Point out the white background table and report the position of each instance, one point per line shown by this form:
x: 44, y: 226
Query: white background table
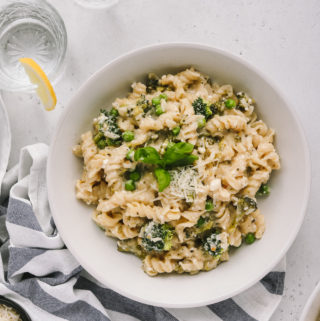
x: 280, y: 37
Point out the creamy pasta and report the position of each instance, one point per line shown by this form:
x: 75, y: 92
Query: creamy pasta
x: 174, y: 169
x: 8, y: 313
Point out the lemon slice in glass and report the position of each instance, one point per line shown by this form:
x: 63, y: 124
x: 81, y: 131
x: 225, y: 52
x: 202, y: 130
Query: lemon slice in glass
x: 38, y: 77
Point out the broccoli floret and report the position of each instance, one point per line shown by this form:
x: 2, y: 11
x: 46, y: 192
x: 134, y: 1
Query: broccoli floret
x: 217, y: 108
x: 246, y: 205
x: 145, y: 104
x: 215, y: 243
x: 108, y: 127
x: 244, y: 101
x: 152, y: 82
x: 201, y: 108
x: 156, y: 237
x: 203, y: 224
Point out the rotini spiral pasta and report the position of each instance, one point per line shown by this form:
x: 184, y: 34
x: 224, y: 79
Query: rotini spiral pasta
x: 174, y: 169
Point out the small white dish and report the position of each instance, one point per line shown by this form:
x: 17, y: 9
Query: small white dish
x: 284, y: 209
x: 311, y: 311
x: 5, y: 140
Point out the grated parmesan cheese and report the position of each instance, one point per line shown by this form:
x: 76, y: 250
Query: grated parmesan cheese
x: 215, y: 184
x: 184, y: 183
x: 8, y: 314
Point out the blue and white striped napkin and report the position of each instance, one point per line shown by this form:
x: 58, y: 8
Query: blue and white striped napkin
x: 39, y: 273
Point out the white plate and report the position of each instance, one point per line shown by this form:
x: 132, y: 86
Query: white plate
x: 312, y: 308
x: 5, y: 140
x: 284, y: 209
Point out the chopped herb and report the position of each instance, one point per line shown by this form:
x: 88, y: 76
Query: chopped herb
x: 148, y: 155
x: 163, y: 178
x: 179, y: 155
x: 176, y: 154
x: 264, y: 190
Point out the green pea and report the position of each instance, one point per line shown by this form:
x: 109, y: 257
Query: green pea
x: 98, y: 137
x: 135, y: 176
x: 130, y: 155
x: 114, y: 112
x: 130, y: 185
x: 250, y: 238
x: 230, y: 103
x: 159, y: 110
x: 209, y: 206
x: 176, y: 131
x: 128, y: 136
x: 163, y: 96
x: 201, y: 122
x: 102, y: 143
x: 156, y: 101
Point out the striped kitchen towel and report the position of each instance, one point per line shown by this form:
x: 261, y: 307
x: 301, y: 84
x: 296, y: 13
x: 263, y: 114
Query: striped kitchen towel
x: 39, y: 273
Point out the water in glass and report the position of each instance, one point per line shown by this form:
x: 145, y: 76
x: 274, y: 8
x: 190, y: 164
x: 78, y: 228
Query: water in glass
x: 34, y: 29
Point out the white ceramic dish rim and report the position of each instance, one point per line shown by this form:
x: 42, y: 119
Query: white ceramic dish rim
x: 305, y: 152
x: 309, y: 305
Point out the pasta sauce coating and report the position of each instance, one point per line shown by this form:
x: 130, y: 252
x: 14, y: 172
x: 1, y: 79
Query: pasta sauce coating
x: 174, y: 170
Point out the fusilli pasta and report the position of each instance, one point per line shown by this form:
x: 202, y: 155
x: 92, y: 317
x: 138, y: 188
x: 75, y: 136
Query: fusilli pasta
x: 174, y: 170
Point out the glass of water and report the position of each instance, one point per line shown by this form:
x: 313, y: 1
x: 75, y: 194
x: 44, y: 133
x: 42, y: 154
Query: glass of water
x: 33, y: 29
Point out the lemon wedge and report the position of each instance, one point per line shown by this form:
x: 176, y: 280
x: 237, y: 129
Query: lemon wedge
x: 38, y: 77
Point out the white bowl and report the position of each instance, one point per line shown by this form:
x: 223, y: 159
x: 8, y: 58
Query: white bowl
x: 5, y: 140
x: 284, y: 209
x: 311, y: 311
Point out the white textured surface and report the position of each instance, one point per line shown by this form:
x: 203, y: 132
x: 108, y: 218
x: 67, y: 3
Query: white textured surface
x: 280, y: 37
